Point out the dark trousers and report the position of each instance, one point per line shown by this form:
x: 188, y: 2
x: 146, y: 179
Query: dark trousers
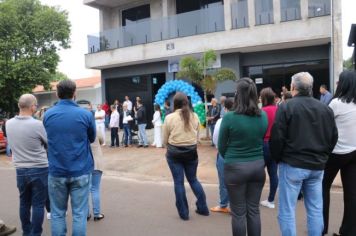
x: 244, y: 182
x: 189, y: 168
x: 115, y: 137
x: 48, y: 204
x: 32, y: 184
x: 272, y: 169
x: 346, y: 163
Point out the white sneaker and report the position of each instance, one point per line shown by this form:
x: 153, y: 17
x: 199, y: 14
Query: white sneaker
x: 48, y: 216
x: 267, y: 204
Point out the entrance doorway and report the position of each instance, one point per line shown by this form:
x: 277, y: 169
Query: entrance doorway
x: 277, y: 76
x: 143, y: 86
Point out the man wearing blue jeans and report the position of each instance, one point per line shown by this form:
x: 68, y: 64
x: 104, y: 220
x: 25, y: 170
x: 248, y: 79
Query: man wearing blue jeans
x: 303, y: 136
x: 28, y: 143
x: 224, y: 197
x: 142, y: 122
x: 70, y: 130
x: 213, y: 116
x: 127, y: 122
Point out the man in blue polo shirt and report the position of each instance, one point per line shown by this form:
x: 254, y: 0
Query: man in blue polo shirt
x: 70, y: 130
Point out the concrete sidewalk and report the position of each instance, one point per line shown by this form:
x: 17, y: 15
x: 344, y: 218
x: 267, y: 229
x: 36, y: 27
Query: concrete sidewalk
x: 150, y: 163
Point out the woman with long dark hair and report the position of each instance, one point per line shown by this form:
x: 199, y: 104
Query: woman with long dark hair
x: 240, y: 143
x: 343, y: 157
x: 180, y: 135
x: 268, y: 105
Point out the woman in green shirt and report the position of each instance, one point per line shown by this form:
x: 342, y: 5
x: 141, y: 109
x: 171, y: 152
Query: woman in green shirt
x: 240, y: 143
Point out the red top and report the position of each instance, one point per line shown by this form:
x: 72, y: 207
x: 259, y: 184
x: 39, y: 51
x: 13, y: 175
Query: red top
x: 106, y: 108
x: 271, y: 114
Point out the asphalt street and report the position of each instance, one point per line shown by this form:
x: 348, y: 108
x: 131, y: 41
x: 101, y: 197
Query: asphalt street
x: 134, y: 207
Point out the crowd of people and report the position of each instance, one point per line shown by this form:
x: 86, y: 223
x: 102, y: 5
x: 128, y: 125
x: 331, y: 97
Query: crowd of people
x: 302, y: 142
x: 129, y: 117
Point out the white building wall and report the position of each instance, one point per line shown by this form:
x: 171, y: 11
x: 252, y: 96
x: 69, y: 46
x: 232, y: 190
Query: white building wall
x: 92, y: 95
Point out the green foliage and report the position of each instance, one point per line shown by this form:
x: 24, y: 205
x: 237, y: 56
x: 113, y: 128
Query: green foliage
x: 31, y: 34
x: 197, y: 70
x: 190, y: 68
x: 348, y: 64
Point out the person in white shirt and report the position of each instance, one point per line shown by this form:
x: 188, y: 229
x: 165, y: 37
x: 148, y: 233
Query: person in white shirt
x: 114, y: 126
x: 157, y: 123
x: 127, y: 119
x: 128, y: 103
x: 100, y: 123
x: 343, y: 157
x: 223, y: 206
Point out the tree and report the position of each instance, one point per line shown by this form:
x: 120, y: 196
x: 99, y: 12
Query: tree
x: 58, y: 76
x: 31, y: 34
x: 200, y: 72
x: 348, y: 64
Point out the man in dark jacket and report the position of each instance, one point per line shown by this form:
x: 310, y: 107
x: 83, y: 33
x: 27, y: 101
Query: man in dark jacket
x: 141, y: 118
x: 303, y: 136
x: 213, y: 117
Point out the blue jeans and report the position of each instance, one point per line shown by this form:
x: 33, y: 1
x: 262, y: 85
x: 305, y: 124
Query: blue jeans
x: 60, y: 188
x: 142, y: 134
x: 224, y: 196
x: 212, y: 128
x: 8, y: 150
x: 291, y: 181
x: 95, y: 192
x: 32, y: 184
x: 127, y: 134
x: 272, y: 169
x: 189, y: 168
x: 107, y: 121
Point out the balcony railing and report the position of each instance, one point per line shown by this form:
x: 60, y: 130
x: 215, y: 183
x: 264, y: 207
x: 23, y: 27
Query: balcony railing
x: 264, y: 12
x: 239, y: 12
x: 289, y: 14
x: 181, y: 25
x: 319, y: 8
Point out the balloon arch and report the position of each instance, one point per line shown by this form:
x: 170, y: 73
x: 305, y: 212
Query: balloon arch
x: 186, y: 88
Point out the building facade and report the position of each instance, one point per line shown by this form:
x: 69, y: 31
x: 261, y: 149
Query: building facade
x: 141, y: 42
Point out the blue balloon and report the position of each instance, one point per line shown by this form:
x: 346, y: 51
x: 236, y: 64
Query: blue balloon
x: 176, y: 86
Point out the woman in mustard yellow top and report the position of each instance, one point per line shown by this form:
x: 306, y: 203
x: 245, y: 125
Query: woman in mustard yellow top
x: 180, y: 135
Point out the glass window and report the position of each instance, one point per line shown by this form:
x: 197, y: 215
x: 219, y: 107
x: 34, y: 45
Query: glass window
x: 239, y: 13
x: 290, y: 10
x: 194, y: 5
x: 135, y: 14
x: 264, y: 12
x: 319, y: 8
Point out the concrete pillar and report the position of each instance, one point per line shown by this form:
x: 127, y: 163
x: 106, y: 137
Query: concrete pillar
x: 109, y: 18
x: 251, y: 13
x: 277, y: 11
x: 156, y: 9
x: 164, y: 8
x: 227, y: 14
x: 168, y: 7
x: 103, y: 87
x: 336, y: 43
x: 304, y: 9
